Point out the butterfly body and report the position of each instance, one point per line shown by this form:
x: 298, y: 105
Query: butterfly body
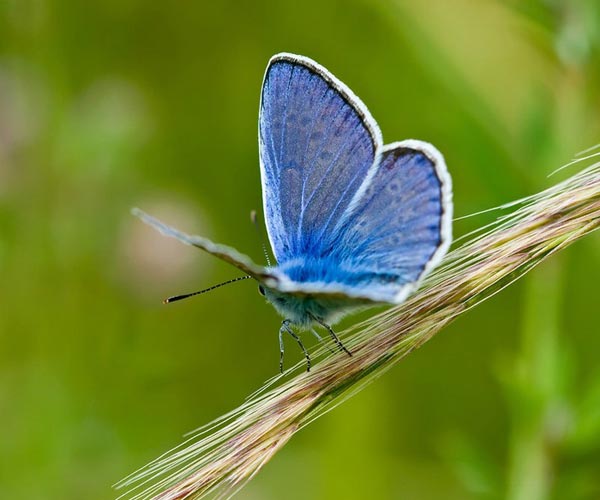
x: 302, y: 310
x: 352, y: 222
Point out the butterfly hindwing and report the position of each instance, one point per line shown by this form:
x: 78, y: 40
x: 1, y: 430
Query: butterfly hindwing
x: 401, y: 225
x: 317, y: 142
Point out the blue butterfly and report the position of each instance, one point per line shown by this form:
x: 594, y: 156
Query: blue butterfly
x: 352, y: 222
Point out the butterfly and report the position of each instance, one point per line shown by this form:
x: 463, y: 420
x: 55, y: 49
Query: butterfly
x: 352, y: 222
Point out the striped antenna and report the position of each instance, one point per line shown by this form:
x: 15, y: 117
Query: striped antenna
x: 186, y: 295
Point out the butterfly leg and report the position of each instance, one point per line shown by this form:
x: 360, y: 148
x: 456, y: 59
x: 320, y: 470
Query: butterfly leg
x: 335, y: 338
x: 320, y: 339
x: 285, y: 327
x: 281, y: 348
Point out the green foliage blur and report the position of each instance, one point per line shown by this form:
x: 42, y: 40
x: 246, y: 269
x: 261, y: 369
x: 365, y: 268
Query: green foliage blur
x: 106, y: 105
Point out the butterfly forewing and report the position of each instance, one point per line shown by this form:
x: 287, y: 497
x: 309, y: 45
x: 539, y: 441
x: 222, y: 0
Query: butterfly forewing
x: 317, y: 143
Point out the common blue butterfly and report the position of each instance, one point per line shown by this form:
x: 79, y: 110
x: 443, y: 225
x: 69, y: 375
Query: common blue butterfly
x: 352, y: 222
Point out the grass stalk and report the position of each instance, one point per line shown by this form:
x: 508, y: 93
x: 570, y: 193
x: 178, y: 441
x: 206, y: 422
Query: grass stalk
x: 219, y: 458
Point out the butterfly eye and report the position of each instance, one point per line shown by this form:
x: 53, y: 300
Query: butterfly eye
x: 261, y: 290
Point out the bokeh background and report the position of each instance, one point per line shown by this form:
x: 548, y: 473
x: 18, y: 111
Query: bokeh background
x: 105, y: 105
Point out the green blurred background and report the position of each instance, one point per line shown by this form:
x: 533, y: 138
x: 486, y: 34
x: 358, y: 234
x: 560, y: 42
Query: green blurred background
x: 105, y: 105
